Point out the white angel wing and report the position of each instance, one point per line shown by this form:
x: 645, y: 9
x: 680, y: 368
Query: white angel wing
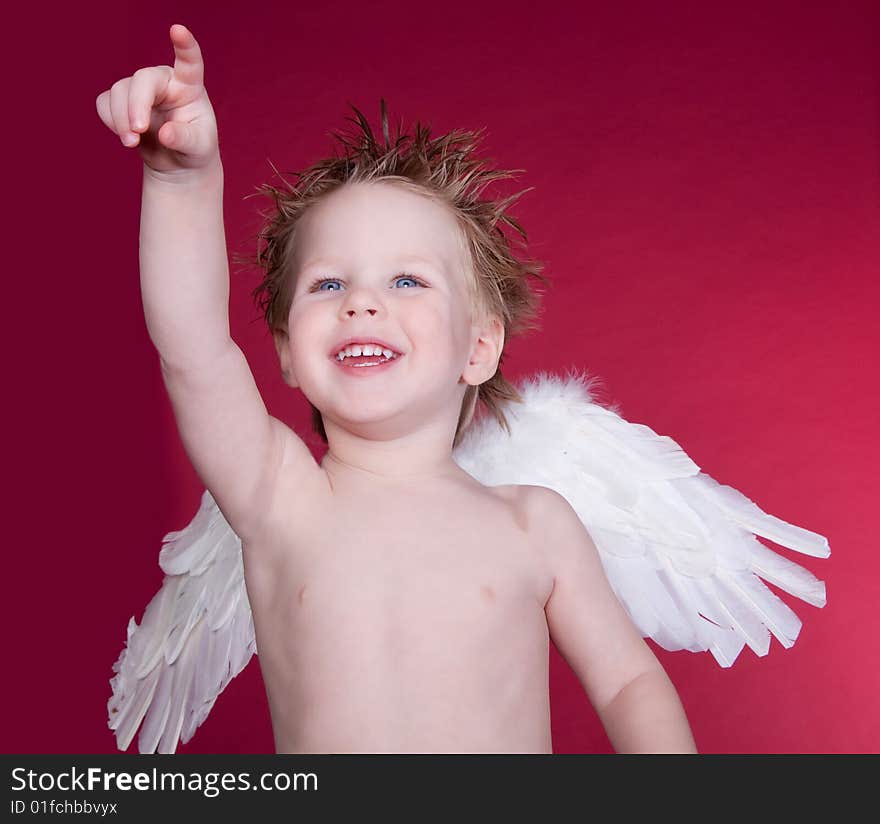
x: 678, y: 548
x: 196, y: 635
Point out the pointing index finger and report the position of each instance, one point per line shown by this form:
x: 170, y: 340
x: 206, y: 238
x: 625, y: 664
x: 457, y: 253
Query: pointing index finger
x: 188, y: 65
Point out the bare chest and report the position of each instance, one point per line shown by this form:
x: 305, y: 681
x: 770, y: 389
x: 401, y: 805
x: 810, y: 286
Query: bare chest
x: 376, y: 556
x: 375, y: 607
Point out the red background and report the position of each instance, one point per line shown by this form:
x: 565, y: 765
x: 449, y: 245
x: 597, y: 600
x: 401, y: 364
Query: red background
x: 706, y: 184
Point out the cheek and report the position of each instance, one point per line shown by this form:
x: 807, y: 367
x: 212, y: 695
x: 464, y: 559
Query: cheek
x: 445, y: 333
x: 436, y: 324
x: 304, y: 327
x: 460, y: 330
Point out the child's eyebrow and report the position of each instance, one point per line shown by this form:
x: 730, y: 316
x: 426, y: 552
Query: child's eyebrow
x: 398, y: 261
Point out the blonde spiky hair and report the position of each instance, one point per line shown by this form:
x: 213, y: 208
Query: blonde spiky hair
x: 444, y: 169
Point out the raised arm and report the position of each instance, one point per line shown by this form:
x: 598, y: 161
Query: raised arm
x: 235, y: 446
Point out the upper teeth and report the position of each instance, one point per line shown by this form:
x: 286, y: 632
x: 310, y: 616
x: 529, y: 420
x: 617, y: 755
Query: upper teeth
x: 367, y: 349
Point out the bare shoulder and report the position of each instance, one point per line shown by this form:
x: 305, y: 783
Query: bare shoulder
x: 532, y: 499
x: 519, y: 497
x: 543, y: 496
x: 541, y: 502
x: 557, y: 523
x: 530, y: 507
x: 520, y: 492
x: 549, y: 517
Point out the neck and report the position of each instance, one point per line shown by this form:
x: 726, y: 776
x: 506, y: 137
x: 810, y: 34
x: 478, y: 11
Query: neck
x: 423, y: 455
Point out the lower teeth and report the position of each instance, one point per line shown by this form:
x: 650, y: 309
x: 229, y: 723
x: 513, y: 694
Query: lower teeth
x: 365, y: 360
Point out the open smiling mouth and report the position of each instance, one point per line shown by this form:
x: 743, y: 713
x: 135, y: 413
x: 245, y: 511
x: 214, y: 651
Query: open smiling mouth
x: 366, y: 364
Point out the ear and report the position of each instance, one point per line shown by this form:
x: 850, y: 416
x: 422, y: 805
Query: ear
x: 487, y: 344
x: 282, y: 347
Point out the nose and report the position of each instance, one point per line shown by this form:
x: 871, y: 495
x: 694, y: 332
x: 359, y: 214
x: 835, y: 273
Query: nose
x: 360, y: 302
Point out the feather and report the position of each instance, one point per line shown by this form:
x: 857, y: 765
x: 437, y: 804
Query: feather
x: 196, y: 634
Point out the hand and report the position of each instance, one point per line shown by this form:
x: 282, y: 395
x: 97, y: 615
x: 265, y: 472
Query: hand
x: 165, y: 111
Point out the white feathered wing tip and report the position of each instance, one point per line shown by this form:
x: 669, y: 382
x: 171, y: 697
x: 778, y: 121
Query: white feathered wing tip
x: 197, y: 634
x: 679, y: 550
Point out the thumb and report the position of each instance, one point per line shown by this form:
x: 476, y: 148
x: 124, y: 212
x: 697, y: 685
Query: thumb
x: 180, y: 137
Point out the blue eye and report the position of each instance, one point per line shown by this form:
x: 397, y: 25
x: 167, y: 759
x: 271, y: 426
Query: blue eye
x: 318, y: 284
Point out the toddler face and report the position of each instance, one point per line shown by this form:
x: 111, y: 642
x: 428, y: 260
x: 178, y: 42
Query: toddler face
x: 375, y: 261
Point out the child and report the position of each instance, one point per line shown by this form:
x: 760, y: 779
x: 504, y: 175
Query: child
x: 399, y: 605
